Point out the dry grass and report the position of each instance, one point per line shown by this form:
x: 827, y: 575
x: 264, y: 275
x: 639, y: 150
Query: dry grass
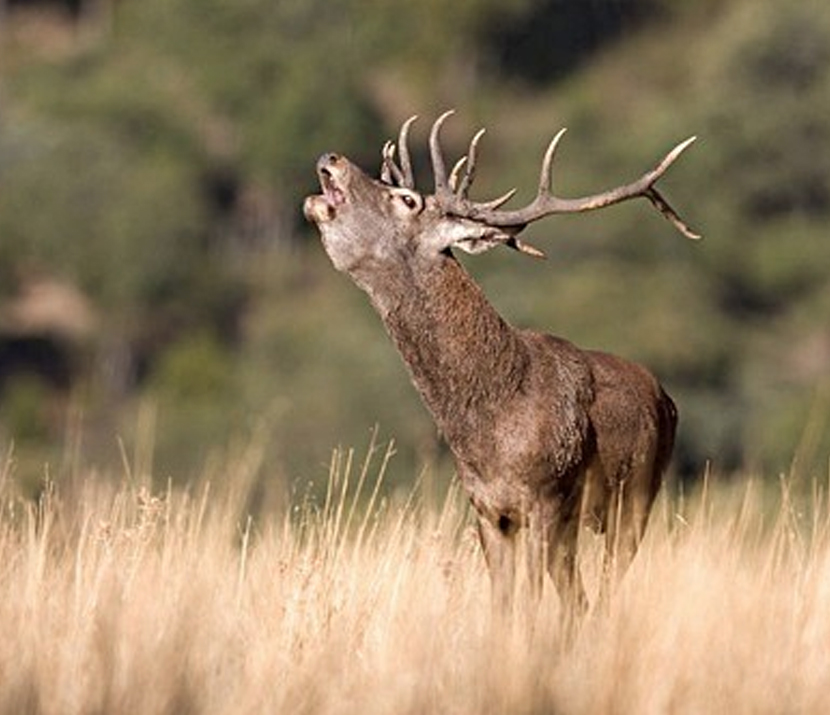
x: 114, y: 600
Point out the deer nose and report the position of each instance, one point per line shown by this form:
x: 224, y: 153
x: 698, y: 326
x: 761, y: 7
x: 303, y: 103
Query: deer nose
x: 327, y: 159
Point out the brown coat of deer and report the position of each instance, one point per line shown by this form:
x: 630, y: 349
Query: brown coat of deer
x: 545, y: 436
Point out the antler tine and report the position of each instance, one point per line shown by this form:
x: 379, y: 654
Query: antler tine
x: 385, y: 173
x: 403, y: 153
x: 439, y: 169
x: 671, y: 157
x: 389, y: 171
x: 523, y: 247
x: 472, y: 156
x: 453, y: 181
x: 671, y: 215
x: 546, y: 175
x: 494, y: 203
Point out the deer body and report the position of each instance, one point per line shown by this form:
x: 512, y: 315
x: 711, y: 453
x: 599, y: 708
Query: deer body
x: 545, y: 436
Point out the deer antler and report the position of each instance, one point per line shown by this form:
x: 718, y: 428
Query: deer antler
x: 452, y: 191
x: 390, y: 172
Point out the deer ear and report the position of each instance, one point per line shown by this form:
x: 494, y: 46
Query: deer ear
x: 470, y: 236
x: 474, y: 237
x: 480, y: 244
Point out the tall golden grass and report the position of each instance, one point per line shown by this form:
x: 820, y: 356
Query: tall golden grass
x: 116, y: 599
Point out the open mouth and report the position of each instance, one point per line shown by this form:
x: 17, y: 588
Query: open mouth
x: 334, y: 195
x: 332, y: 174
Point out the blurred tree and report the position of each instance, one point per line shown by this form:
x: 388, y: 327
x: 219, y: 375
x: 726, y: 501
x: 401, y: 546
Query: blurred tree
x: 548, y: 40
x: 161, y: 166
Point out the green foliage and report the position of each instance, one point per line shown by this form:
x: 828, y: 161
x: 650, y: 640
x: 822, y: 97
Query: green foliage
x: 104, y: 196
x: 197, y: 370
x: 23, y: 411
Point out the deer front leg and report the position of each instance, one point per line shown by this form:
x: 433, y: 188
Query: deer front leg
x: 537, y: 543
x: 562, y: 533
x: 499, y: 545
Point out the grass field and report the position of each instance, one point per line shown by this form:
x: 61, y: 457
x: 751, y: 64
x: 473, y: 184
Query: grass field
x: 115, y: 599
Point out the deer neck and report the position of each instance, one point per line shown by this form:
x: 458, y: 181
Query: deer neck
x: 463, y: 357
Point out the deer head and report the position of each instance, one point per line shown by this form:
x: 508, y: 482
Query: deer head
x: 366, y: 223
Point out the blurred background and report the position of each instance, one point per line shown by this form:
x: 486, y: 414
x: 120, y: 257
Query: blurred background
x: 160, y: 294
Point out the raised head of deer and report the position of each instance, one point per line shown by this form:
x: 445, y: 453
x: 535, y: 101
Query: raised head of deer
x: 545, y: 436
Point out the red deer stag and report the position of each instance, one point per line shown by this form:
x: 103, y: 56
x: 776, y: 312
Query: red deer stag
x: 544, y: 435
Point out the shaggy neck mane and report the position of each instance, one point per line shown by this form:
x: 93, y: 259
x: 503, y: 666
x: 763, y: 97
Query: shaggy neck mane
x: 464, y: 359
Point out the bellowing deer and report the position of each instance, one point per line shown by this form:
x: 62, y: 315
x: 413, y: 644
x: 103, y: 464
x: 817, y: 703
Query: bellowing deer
x: 544, y: 435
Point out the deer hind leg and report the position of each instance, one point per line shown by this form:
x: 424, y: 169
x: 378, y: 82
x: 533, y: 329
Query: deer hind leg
x: 628, y: 511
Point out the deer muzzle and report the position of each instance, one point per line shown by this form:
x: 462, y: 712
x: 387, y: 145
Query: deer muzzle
x: 332, y: 171
x: 317, y: 209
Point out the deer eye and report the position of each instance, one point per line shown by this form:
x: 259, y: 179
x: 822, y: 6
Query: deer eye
x: 411, y: 200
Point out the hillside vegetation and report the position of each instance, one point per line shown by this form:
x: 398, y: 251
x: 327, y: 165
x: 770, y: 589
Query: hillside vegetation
x: 157, y: 158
